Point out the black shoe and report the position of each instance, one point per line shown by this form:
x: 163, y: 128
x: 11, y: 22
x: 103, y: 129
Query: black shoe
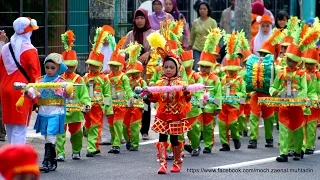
x: 111, y: 150
x: 241, y: 133
x: 282, y: 158
x: 128, y: 145
x: 2, y: 139
x: 309, y: 151
x: 296, y: 157
x: 225, y: 147
x: 97, y: 152
x: 116, y: 150
x: 237, y: 143
x: 90, y: 154
x: 196, y: 151
x: 302, y: 154
x: 318, y: 137
x: 46, y: 158
x: 269, y: 143
x: 252, y: 144
x: 133, y: 149
x: 290, y: 153
x: 53, y: 161
x: 188, y: 148
x: 207, y: 150
x: 245, y: 133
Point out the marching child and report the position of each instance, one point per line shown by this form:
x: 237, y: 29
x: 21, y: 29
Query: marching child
x: 99, y: 89
x: 195, y: 113
x: 171, y: 113
x: 121, y: 93
x: 133, y: 116
x: 210, y: 110
x: 234, y: 87
x: 51, y: 115
x: 80, y: 98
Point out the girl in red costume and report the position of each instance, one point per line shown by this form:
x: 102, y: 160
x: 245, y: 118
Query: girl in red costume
x: 171, y: 113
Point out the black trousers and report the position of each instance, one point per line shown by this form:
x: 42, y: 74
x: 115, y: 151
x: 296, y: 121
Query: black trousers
x: 146, y: 118
x: 173, y: 139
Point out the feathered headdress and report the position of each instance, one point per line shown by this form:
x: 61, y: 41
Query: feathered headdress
x: 116, y: 58
x: 308, y: 43
x: 110, y: 36
x: 268, y: 46
x: 95, y: 57
x: 209, y: 53
x: 292, y: 26
x: 171, y: 32
x: 134, y: 50
x: 156, y: 40
x: 244, y: 46
x: 69, y: 55
x: 232, y: 42
x: 293, y: 51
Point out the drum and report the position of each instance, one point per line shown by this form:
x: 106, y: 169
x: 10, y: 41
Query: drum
x: 282, y: 102
x: 259, y: 73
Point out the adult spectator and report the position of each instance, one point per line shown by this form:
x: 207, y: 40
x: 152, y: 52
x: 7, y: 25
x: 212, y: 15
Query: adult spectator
x: 172, y: 8
x: 227, y: 19
x: 3, y: 41
x: 199, y: 30
x: 19, y: 62
x: 266, y: 11
x: 141, y: 29
x: 159, y: 15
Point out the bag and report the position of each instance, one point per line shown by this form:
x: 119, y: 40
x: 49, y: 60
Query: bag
x: 24, y: 73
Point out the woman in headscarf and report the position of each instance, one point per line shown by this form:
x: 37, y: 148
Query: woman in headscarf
x: 141, y: 29
x: 172, y: 8
x: 265, y: 31
x: 159, y: 15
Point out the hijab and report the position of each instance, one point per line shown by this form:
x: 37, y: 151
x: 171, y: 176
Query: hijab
x: 138, y: 32
x: 175, y: 11
x: 57, y: 60
x: 260, y: 38
x: 156, y: 17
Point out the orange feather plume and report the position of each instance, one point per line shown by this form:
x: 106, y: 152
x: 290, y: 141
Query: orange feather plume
x: 120, y: 44
x: 71, y: 38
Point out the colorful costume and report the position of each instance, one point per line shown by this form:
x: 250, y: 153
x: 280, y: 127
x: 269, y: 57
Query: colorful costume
x: 121, y: 93
x: 99, y: 89
x: 51, y: 115
x: 133, y: 116
x: 17, y: 120
x: 208, y: 59
x: 171, y: 115
x: 195, y: 113
x: 234, y: 88
x: 74, y: 115
x: 292, y: 83
x: 16, y: 161
x: 259, y: 76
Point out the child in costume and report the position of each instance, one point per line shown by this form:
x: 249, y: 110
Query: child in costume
x: 121, y: 93
x: 292, y: 84
x: 171, y: 113
x: 51, y: 115
x: 260, y: 87
x: 74, y: 115
x: 195, y: 113
x: 210, y: 110
x: 234, y: 88
x: 265, y: 31
x: 132, y: 118
x: 244, y: 53
x: 19, y: 162
x: 99, y: 89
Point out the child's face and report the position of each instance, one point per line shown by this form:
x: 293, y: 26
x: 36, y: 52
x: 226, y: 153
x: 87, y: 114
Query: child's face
x: 93, y: 68
x: 51, y: 68
x: 106, y: 42
x: 205, y: 69
x: 262, y: 54
x: 169, y: 68
x: 232, y: 72
x: 265, y: 27
x: 283, y: 49
x: 291, y: 63
x: 114, y: 68
x: 71, y: 69
x: 136, y: 75
x: 188, y: 68
x: 282, y: 23
x: 310, y: 65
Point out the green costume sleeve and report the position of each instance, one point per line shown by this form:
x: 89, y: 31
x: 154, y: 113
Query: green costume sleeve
x: 214, y: 92
x: 303, y: 92
x: 82, y: 94
x: 106, y: 90
x: 275, y: 86
x: 196, y: 96
x: 126, y: 87
x: 312, y: 93
x: 184, y: 75
x: 241, y: 89
x: 155, y: 77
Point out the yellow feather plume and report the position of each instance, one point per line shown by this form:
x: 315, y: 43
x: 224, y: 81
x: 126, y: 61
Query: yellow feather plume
x: 156, y: 40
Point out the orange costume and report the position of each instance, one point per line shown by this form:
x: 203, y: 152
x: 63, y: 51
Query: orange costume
x: 26, y: 55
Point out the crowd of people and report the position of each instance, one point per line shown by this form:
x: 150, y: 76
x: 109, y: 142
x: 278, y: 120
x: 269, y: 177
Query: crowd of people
x: 185, y: 72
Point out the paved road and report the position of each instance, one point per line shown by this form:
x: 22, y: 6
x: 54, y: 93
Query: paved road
x: 243, y: 163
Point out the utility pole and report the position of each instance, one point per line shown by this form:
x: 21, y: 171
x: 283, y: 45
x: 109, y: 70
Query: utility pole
x: 243, y: 16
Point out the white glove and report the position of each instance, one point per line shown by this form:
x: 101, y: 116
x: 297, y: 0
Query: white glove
x: 31, y: 93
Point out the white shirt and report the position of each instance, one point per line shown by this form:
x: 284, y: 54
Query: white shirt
x: 107, y: 52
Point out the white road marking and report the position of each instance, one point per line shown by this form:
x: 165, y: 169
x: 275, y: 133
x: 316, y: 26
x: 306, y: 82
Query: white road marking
x: 252, y: 163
